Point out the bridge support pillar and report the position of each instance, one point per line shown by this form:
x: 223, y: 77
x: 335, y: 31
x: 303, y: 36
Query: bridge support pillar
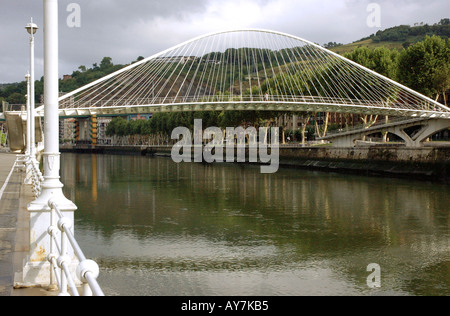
x: 94, y: 134
x: 409, y: 142
x: 84, y: 129
x: 344, y: 142
x: 77, y: 130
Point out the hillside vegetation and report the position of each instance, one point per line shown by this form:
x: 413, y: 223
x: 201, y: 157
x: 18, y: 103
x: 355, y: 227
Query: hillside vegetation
x: 399, y: 37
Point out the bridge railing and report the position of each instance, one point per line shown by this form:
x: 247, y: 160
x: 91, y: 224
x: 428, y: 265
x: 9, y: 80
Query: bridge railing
x: 36, y: 177
x: 61, y: 234
x: 99, y: 103
x: 87, y: 270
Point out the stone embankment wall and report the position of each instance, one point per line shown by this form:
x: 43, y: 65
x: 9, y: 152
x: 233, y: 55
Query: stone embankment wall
x: 420, y: 163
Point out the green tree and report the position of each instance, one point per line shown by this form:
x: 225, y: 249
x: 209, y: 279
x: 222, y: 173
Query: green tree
x: 441, y: 81
x: 381, y: 60
x: 16, y: 98
x: 106, y: 63
x: 117, y: 126
x: 420, y: 65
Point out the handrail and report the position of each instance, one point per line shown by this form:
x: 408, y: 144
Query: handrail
x: 71, y: 104
x: 87, y: 270
x: 36, y: 177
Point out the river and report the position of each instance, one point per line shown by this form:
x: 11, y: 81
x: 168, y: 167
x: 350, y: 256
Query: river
x: 157, y: 228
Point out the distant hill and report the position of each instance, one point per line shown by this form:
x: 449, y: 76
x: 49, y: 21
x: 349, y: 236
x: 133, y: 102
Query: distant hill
x: 398, y: 37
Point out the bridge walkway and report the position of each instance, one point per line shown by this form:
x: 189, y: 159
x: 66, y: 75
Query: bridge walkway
x: 14, y: 227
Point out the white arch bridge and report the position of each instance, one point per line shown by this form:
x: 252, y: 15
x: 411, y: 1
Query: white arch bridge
x: 248, y: 70
x: 257, y: 70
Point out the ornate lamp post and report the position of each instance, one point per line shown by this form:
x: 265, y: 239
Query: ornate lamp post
x: 32, y: 29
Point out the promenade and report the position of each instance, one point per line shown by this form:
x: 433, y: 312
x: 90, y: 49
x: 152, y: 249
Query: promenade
x: 14, y: 227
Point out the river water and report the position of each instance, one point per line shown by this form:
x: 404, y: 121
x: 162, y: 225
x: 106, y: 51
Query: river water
x: 157, y: 228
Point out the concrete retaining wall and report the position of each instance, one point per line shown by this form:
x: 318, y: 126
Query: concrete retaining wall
x: 421, y: 163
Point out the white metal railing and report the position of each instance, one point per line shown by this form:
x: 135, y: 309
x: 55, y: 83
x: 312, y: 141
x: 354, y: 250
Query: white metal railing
x: 21, y: 160
x: 36, y: 177
x: 96, y: 103
x: 61, y: 236
x: 87, y: 270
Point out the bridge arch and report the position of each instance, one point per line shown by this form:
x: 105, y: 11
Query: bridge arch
x: 248, y: 69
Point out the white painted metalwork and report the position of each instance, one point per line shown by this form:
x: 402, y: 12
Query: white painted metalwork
x: 51, y: 250
x: 52, y: 186
x: 59, y: 229
x: 87, y: 270
x: 36, y: 178
x: 248, y: 70
x: 28, y: 107
x: 32, y: 29
x: 35, y: 271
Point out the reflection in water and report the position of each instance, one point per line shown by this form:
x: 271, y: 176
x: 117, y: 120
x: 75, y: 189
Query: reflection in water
x: 160, y: 228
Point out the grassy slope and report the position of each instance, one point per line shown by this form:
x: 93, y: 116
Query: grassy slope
x: 366, y: 43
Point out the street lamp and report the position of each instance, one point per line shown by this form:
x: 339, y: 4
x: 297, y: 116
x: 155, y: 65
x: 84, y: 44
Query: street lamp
x: 32, y: 29
x: 28, y: 140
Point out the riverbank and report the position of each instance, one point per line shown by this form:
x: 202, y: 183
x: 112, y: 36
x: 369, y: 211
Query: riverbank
x: 427, y: 163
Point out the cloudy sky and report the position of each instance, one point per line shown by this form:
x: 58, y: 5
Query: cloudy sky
x: 126, y: 29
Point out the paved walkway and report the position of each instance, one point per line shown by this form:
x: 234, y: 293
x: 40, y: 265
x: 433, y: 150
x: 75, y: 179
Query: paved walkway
x: 14, y: 227
x: 9, y: 206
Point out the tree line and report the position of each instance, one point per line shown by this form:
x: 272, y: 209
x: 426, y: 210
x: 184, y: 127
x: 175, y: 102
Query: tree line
x: 15, y: 93
x: 407, y: 33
